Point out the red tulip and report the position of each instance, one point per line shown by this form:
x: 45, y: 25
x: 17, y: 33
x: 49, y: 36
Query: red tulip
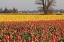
x: 53, y: 40
x: 54, y: 36
x: 6, y: 37
x: 41, y: 38
x: 31, y: 34
x: 61, y: 41
x: 47, y: 31
x: 10, y: 23
x: 24, y: 40
x: 13, y: 40
x: 44, y: 37
x: 56, y: 32
x: 10, y: 37
x: 25, y: 30
x: 4, y: 28
x: 18, y: 37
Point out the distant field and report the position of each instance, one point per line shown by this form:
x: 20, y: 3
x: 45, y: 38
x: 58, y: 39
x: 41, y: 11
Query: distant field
x: 18, y: 17
x: 31, y: 13
x: 22, y: 13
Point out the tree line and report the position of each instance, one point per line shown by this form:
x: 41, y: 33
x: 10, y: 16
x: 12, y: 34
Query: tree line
x: 6, y: 10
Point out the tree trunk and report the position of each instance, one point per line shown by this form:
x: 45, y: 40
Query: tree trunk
x: 45, y: 11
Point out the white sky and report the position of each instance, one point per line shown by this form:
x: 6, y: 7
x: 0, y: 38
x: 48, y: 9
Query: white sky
x: 26, y: 4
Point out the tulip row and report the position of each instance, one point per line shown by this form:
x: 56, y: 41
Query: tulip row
x: 32, y: 31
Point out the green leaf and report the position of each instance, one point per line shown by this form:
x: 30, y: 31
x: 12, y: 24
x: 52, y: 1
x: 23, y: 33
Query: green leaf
x: 46, y: 41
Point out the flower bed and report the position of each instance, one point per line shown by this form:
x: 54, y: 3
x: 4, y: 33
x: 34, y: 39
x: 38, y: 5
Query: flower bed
x: 32, y: 31
x: 26, y: 17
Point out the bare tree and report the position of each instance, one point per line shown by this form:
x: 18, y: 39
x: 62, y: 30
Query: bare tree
x: 46, y: 4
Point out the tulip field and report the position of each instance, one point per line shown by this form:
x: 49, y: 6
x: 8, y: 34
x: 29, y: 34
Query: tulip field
x: 31, y: 28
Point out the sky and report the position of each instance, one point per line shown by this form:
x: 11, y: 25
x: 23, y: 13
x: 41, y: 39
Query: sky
x: 26, y: 4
